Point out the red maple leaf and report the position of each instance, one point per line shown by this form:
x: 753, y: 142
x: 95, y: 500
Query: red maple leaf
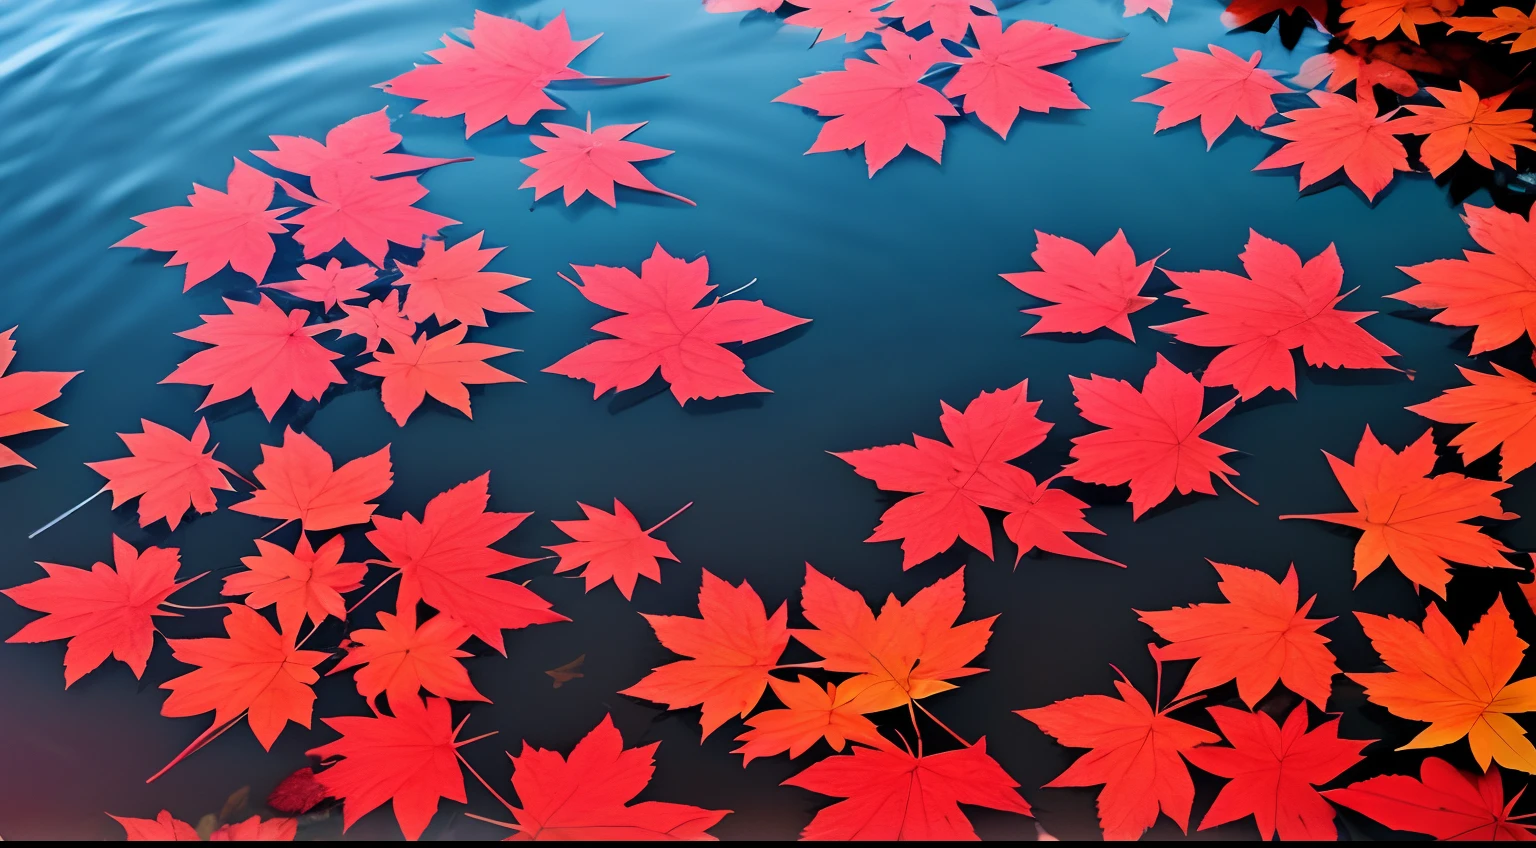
x: 302, y: 582
x: 366, y: 213
x: 297, y: 793
x: 882, y: 104
x: 1241, y: 13
x: 162, y: 828
x: 374, y: 321
x: 811, y: 712
x: 1341, y: 133
x: 947, y: 18
x: 103, y: 612
x: 586, y: 796
x: 1088, y: 291
x: 580, y: 161
x: 261, y: 349
x: 400, y: 659
x: 1282, y: 305
x: 1005, y: 73
x: 299, y: 482
x: 216, y: 228
x: 443, y: 366
x: 167, y: 828
x: 1153, y: 437
x: 330, y: 284
x: 1493, y: 291
x: 953, y: 482
x: 1272, y: 772
x: 445, y: 559
x: 851, y: 19
x: 612, y: 547
x: 1218, y: 87
x: 361, y: 144
x: 21, y: 393
x: 451, y: 284
x: 256, y: 829
x: 665, y: 329
x: 1442, y: 802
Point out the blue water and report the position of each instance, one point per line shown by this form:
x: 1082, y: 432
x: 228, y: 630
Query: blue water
x: 114, y: 107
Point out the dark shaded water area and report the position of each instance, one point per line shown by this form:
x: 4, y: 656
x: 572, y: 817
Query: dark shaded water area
x: 114, y: 107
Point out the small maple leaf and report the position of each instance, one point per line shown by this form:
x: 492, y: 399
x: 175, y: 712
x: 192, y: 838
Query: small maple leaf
x: 443, y: 366
x: 1461, y: 688
x: 1272, y: 771
x: 1241, y: 13
x: 663, y: 328
x: 299, y: 482
x: 1136, y: 757
x: 451, y: 284
x: 851, y: 19
x: 1417, y: 519
x: 1163, y: 8
x: 162, y: 828
x: 21, y: 393
x: 216, y: 228
x: 566, y: 673
x: 261, y: 349
x: 366, y: 213
x: 731, y: 647
x: 329, y: 285
x: 581, y: 161
x: 1380, y: 18
x: 1218, y: 87
x: 1088, y: 291
x: 1500, y: 411
x: 947, y: 18
x: 1282, y: 305
x: 1340, y: 133
x: 892, y: 795
x: 1005, y: 73
x: 811, y: 712
x: 167, y: 828
x: 374, y: 321
x: 909, y: 652
x: 1494, y: 291
x: 400, y: 659
x: 302, y: 582
x: 1468, y: 124
x: 1153, y: 437
x: 1353, y: 63
x: 105, y: 611
x: 257, y: 829
x: 612, y: 547
x: 1506, y: 21
x: 362, y: 144
x: 1443, y: 802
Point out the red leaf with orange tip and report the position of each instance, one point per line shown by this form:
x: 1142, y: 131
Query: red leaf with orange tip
x: 443, y: 366
x: 364, y: 212
x: 1136, y: 757
x: 892, y: 795
x: 1499, y: 409
x: 1340, y: 133
x: 1442, y: 802
x: 162, y: 828
x: 1353, y: 64
x: 1260, y: 637
x: 217, y: 228
x: 580, y: 161
x: 1005, y: 72
x: 1241, y: 13
x: 297, y: 793
x: 811, y: 712
x: 1088, y: 291
x: 445, y: 559
x: 451, y: 284
x: 301, y: 583
x: 851, y: 19
x: 21, y: 393
x: 1281, y: 306
x: 362, y: 144
x: 410, y: 759
x: 400, y: 658
x: 612, y: 547
x: 1272, y: 771
x: 731, y: 646
x: 947, y: 18
x: 329, y: 285
x: 1466, y: 124
x: 586, y: 796
x: 254, y: 670
x: 1417, y: 519
x: 1217, y: 87
x: 255, y: 829
x: 1153, y: 437
x: 375, y: 321
x: 299, y: 482
x: 952, y: 482
x: 104, y: 612
x: 663, y: 328
x: 261, y: 349
x: 1493, y: 291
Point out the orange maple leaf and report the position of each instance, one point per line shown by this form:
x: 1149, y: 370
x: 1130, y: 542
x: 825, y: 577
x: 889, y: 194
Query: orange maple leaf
x: 443, y: 366
x: 301, y: 483
x: 1466, y: 123
x: 302, y: 582
x: 1500, y: 411
x: 810, y: 712
x: 400, y: 659
x: 1506, y: 21
x: 21, y: 394
x: 1241, y: 13
x: 1494, y: 291
x: 1380, y: 18
x: 169, y: 473
x: 1416, y: 519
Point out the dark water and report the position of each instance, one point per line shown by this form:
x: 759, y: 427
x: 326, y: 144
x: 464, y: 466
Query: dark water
x: 113, y: 107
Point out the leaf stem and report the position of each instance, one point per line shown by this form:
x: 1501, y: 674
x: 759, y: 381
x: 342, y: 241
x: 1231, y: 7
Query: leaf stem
x: 382, y: 584
x: 68, y: 512
x: 497, y: 795
x: 207, y: 736
x: 958, y: 737
x: 680, y: 511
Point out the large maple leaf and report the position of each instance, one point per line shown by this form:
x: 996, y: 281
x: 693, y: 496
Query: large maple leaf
x: 731, y: 646
x: 1462, y: 688
x: 166, y: 471
x: 1260, y: 637
x: 612, y: 546
x: 21, y: 393
x: 1506, y: 21
x: 882, y: 104
x: 1417, y: 519
x: 329, y: 285
x: 261, y: 349
x: 301, y: 583
x: 445, y: 559
x: 451, y: 284
x: 299, y: 482
x: 399, y: 659
x: 1218, y: 87
x: 410, y: 759
x: 216, y: 228
x: 1088, y: 291
x: 1380, y: 18
x: 1241, y: 13
x: 1443, y: 802
x: 1500, y: 411
x: 366, y: 213
x: 362, y: 144
x: 910, y: 651
x: 1153, y: 437
x: 1467, y: 124
x: 663, y: 328
x: 1340, y: 133
x: 253, y: 670
x: 851, y: 19
x: 443, y: 366
x: 1282, y: 305
x: 892, y: 795
x: 580, y: 161
x: 952, y: 482
x: 1005, y: 73
x: 947, y: 19
x: 1494, y: 291
x: 375, y: 321
x: 1272, y: 771
x: 811, y: 712
x: 105, y: 611
x: 586, y: 796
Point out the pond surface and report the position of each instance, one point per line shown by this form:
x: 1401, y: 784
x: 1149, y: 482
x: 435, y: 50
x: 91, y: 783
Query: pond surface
x: 114, y: 107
